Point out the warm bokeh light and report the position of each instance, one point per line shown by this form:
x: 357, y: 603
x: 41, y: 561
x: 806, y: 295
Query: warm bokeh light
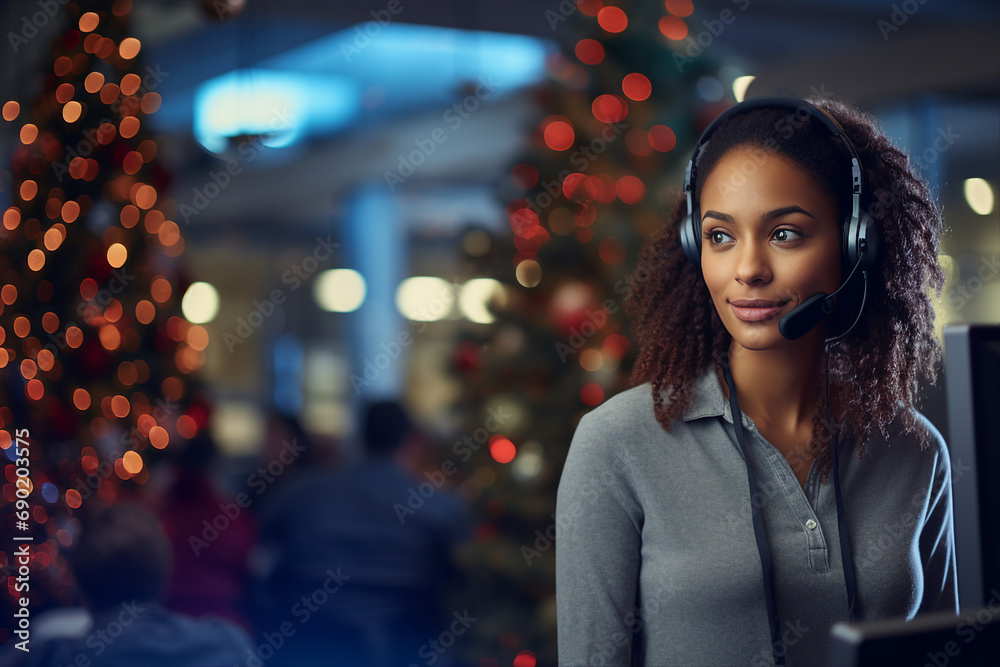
x: 528, y: 273
x: 591, y: 359
x: 636, y: 86
x: 120, y: 406
x: 8, y: 294
x: 70, y: 211
x: 197, y: 338
x: 502, y: 449
x: 612, y: 19
x: 592, y: 394
x: 609, y: 109
x: 36, y: 259
x: 109, y: 92
x: 28, y: 190
x: 340, y: 290
x: 158, y: 437
x: 673, y: 28
x: 71, y: 111
x: 117, y: 254
x: 145, y: 311
x: 151, y: 103
x: 73, y: 499
x: 476, y: 297
x: 81, y: 399
x: 12, y: 218
x: 129, y: 48
x: 161, y: 290
x: 740, y: 85
x: 979, y: 195
x: 630, y: 189
x: 94, y: 82
x: 128, y: 128
x: 132, y: 462
x: 589, y: 51
x: 28, y: 134
x: 145, y: 195
x: 64, y: 93
x: 74, y: 336
x: 10, y: 110
x: 130, y: 83
x: 200, y: 303
x: 662, y: 138
x: 559, y: 135
x: 424, y: 298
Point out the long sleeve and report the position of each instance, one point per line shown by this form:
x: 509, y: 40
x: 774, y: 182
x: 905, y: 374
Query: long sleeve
x: 598, y: 541
x: 937, y: 538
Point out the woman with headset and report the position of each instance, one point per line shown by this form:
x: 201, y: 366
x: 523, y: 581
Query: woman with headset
x: 788, y: 288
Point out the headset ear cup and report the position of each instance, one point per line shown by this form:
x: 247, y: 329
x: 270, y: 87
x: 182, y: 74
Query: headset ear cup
x: 689, y: 242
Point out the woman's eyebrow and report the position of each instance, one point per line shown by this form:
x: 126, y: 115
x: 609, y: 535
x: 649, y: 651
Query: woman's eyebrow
x: 776, y: 213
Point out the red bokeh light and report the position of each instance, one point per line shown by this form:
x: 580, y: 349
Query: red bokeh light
x: 630, y: 189
x: 502, y: 449
x: 609, y: 109
x: 673, y: 28
x: 662, y: 138
x: 612, y: 19
x: 636, y: 86
x: 589, y: 51
x: 524, y: 175
x: 592, y: 394
x: 558, y: 135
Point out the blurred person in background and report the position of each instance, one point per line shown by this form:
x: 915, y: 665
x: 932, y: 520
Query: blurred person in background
x: 212, y: 536
x: 362, y: 561
x: 122, y: 562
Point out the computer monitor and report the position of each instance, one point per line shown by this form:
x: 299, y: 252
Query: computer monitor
x: 972, y: 381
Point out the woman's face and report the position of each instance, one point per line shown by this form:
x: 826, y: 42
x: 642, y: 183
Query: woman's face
x: 772, y: 235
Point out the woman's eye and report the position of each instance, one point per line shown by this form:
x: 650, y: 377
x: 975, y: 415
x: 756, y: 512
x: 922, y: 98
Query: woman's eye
x: 779, y: 234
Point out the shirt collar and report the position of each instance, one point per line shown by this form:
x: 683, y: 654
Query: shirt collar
x: 707, y: 400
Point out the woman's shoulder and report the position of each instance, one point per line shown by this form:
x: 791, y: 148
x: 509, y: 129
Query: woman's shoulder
x: 913, y: 442
x: 629, y: 407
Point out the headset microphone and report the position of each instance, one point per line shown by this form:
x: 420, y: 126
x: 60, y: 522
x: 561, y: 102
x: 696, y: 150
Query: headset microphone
x: 811, y: 312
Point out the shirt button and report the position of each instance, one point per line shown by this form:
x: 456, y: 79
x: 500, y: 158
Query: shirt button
x: 810, y: 524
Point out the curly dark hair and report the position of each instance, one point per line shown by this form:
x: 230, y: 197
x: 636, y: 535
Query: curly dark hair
x: 873, y: 370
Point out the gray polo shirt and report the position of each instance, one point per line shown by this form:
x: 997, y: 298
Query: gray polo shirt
x: 655, y: 549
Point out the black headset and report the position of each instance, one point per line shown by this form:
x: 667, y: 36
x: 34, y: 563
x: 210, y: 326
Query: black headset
x: 859, y: 231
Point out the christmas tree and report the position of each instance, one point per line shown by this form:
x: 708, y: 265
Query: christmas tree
x: 95, y: 359
x: 607, y: 154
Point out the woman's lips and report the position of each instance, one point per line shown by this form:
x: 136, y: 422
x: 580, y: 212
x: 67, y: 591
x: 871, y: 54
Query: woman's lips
x: 755, y: 314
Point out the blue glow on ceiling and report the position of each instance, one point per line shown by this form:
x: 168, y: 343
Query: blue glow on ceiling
x: 366, y: 71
